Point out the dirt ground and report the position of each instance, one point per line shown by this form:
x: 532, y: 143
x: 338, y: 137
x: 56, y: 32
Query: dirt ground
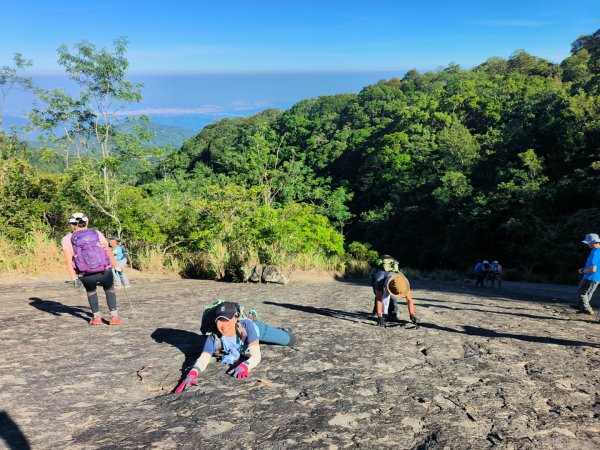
x: 505, y: 368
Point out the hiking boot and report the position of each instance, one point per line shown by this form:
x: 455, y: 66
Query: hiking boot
x: 115, y: 321
x: 587, y: 310
x: 292, y: 336
x: 96, y: 321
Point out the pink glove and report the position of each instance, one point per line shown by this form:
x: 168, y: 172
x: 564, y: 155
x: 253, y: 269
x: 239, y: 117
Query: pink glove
x: 241, y: 371
x: 190, y: 379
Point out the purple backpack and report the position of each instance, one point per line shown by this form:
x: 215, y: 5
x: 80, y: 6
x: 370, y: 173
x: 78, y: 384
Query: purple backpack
x: 88, y: 254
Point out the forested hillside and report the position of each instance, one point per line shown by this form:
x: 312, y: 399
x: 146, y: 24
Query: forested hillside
x: 440, y: 169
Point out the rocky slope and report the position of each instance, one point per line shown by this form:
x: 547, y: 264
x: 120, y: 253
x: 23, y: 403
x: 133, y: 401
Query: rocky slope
x: 505, y: 368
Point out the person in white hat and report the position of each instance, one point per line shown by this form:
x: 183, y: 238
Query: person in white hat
x: 89, y: 260
x: 591, y: 274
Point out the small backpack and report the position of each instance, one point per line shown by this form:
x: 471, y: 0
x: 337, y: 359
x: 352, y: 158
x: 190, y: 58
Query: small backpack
x: 88, y: 254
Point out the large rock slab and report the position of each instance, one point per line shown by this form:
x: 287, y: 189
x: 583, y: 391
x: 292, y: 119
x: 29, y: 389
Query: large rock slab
x: 510, y: 368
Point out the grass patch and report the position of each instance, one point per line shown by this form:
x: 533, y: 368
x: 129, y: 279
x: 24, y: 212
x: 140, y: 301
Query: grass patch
x: 35, y: 255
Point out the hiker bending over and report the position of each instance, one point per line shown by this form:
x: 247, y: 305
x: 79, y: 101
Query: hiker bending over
x: 89, y: 261
x: 591, y: 274
x: 382, y: 267
x: 394, y: 285
x: 231, y: 339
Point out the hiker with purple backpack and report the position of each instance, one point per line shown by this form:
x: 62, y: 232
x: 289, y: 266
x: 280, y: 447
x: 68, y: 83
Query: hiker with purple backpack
x: 89, y: 261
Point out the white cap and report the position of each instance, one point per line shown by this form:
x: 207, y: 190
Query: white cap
x: 78, y: 217
x: 591, y: 238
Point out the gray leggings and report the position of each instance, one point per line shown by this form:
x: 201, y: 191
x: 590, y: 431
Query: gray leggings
x: 104, y: 279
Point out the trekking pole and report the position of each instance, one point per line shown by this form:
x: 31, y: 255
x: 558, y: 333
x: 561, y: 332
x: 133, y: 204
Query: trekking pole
x: 127, y: 294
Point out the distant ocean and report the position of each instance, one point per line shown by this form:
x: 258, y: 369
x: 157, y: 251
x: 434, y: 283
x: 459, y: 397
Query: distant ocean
x: 194, y: 100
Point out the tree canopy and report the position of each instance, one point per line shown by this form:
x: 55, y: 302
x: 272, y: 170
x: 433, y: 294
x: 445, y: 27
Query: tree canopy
x: 439, y: 169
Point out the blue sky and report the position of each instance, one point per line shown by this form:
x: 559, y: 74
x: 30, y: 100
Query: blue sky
x: 276, y: 37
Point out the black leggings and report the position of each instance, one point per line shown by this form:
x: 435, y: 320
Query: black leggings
x: 104, y: 279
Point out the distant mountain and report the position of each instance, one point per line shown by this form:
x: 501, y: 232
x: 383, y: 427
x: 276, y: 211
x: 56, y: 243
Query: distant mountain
x: 164, y: 134
x: 170, y: 135
x: 189, y: 121
x: 170, y: 129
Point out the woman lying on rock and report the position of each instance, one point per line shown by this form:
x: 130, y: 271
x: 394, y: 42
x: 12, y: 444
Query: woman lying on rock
x: 231, y: 340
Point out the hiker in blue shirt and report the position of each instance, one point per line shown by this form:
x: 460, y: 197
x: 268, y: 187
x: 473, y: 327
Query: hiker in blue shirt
x: 591, y: 274
x: 233, y: 339
x: 121, y: 257
x: 480, y: 272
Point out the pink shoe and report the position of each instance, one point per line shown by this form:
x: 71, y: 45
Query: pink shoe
x: 115, y: 321
x: 96, y: 321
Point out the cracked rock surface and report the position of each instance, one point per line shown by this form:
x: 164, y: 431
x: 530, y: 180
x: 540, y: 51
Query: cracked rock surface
x: 488, y: 368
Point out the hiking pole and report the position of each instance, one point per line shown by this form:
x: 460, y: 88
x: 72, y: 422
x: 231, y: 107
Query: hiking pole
x: 126, y: 294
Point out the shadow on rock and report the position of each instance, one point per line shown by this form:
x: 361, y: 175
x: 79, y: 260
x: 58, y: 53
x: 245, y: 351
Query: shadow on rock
x: 189, y: 343
x: 355, y: 316
x: 57, y: 308
x: 11, y: 434
x: 510, y: 291
x: 487, y: 311
x: 484, y: 332
x: 359, y: 280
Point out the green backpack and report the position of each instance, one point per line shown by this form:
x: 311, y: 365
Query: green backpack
x: 389, y: 264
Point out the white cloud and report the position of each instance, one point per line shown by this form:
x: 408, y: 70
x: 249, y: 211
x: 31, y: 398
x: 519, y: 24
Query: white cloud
x: 173, y: 111
x: 203, y: 110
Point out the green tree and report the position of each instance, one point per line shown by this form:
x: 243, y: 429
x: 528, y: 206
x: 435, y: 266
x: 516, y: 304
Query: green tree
x: 10, y: 79
x: 86, y: 125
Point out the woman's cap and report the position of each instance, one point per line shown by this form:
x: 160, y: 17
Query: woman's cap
x: 78, y: 217
x: 114, y: 238
x: 226, y: 310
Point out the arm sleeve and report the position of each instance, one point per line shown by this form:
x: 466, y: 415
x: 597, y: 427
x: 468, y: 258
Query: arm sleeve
x: 381, y: 284
x: 207, y: 351
x: 67, y: 247
x: 202, y: 362
x: 255, y: 357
